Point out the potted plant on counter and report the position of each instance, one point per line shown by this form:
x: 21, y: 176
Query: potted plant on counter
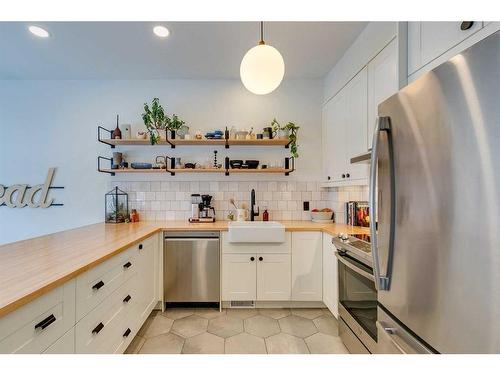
x: 155, y: 120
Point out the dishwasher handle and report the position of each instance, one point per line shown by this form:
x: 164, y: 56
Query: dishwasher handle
x: 173, y: 239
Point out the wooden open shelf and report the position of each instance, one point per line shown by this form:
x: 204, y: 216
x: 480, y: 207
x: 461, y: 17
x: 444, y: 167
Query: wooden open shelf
x: 199, y: 170
x: 199, y: 142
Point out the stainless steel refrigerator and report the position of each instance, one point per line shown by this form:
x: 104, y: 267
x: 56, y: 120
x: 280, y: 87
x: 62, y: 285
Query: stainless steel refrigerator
x: 435, y: 185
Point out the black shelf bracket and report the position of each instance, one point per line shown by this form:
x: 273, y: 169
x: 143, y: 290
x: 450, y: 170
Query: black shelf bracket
x: 99, y: 158
x: 289, y: 164
x: 226, y: 143
x: 172, y: 165
x: 172, y: 145
x: 103, y: 140
x: 288, y: 144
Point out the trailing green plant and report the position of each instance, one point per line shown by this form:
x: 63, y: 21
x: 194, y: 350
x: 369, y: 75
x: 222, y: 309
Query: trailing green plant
x: 292, y: 135
x: 155, y: 119
x: 292, y: 130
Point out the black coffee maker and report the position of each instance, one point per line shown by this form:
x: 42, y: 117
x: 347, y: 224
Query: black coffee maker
x: 207, y: 212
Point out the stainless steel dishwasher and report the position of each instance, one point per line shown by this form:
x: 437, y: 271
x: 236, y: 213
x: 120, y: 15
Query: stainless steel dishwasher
x: 191, y: 268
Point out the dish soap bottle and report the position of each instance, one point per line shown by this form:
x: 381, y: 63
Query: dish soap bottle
x: 265, y: 215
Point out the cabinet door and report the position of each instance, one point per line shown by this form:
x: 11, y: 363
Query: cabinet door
x: 307, y: 269
x: 438, y: 37
x: 382, y: 83
x: 273, y: 277
x: 336, y: 154
x: 147, y: 278
x: 330, y: 276
x: 239, y: 273
x: 356, y: 124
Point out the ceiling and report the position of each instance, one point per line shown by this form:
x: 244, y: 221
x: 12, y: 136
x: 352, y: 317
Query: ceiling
x: 197, y: 50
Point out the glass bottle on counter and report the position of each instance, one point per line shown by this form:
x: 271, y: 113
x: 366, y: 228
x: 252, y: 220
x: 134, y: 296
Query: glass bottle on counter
x: 265, y: 215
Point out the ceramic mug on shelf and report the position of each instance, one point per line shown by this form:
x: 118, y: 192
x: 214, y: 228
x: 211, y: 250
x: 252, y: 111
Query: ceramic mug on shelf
x: 241, y: 214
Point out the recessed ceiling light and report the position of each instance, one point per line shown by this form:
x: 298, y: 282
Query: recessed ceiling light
x: 38, y: 31
x: 161, y: 31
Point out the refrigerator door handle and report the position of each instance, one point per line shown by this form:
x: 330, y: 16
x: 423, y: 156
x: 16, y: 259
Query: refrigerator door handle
x: 382, y: 281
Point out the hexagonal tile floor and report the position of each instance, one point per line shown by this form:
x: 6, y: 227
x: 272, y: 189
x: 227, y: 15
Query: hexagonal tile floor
x: 238, y: 331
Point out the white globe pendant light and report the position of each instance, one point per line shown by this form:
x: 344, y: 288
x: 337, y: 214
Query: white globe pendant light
x: 262, y: 68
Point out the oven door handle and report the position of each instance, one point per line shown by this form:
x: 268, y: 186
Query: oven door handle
x: 354, y: 268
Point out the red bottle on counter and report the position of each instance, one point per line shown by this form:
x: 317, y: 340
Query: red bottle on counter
x: 265, y: 215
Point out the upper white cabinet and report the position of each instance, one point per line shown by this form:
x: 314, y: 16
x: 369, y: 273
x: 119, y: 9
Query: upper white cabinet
x: 330, y: 276
x: 307, y: 266
x: 383, y: 81
x: 428, y: 41
x: 345, y: 129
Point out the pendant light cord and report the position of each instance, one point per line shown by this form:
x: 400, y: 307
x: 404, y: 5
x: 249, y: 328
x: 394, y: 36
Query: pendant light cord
x: 262, y: 33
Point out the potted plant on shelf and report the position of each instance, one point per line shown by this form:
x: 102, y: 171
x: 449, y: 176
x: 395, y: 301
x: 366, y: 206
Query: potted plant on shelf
x: 288, y: 131
x: 174, y: 124
x: 155, y: 120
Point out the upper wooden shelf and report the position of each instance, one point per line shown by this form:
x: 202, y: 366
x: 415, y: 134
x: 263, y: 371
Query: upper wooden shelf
x: 198, y: 142
x: 197, y: 170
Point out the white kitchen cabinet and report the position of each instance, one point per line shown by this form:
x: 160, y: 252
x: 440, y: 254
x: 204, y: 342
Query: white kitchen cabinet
x: 148, y: 275
x: 382, y: 83
x: 356, y: 124
x: 335, y: 134
x: 429, y: 40
x: 273, y: 277
x: 239, y: 277
x: 65, y: 344
x: 37, y: 325
x: 330, y: 276
x: 345, y: 126
x: 307, y: 269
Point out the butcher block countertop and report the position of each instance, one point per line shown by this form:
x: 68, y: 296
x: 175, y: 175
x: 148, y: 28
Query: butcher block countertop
x: 31, y: 268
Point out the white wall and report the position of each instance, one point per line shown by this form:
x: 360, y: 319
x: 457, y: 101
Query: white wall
x: 47, y: 124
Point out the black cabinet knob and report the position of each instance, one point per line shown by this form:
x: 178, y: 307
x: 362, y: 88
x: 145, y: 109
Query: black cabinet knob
x: 466, y: 25
x: 128, y: 298
x: 127, y: 332
x: 127, y: 265
x: 348, y: 175
x: 252, y: 259
x: 99, y: 285
x: 329, y: 178
x: 343, y: 175
x: 261, y: 259
x: 46, y: 322
x: 97, y: 329
x: 140, y: 246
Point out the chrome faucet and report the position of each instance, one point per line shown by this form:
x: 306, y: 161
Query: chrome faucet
x: 253, y: 213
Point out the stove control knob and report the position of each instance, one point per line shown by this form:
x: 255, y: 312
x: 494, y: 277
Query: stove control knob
x: 345, y: 236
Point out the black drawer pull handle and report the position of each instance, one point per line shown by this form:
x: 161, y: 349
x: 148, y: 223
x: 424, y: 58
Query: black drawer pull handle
x: 252, y: 259
x: 127, y: 265
x: 97, y: 329
x: 128, y: 298
x: 99, y: 285
x: 261, y: 259
x: 140, y: 246
x: 46, y: 322
x: 127, y: 332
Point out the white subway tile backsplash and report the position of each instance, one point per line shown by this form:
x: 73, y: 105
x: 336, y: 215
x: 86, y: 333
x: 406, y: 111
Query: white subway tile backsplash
x: 169, y: 200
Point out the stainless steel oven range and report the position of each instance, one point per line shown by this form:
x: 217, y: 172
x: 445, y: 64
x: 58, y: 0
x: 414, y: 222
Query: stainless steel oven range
x: 357, y: 293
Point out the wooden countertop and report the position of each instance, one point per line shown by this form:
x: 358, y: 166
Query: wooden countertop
x: 31, y: 268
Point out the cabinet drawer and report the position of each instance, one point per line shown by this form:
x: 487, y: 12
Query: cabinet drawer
x: 252, y: 248
x: 95, y: 285
x: 35, y: 326
x: 102, y: 330
x: 65, y: 344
